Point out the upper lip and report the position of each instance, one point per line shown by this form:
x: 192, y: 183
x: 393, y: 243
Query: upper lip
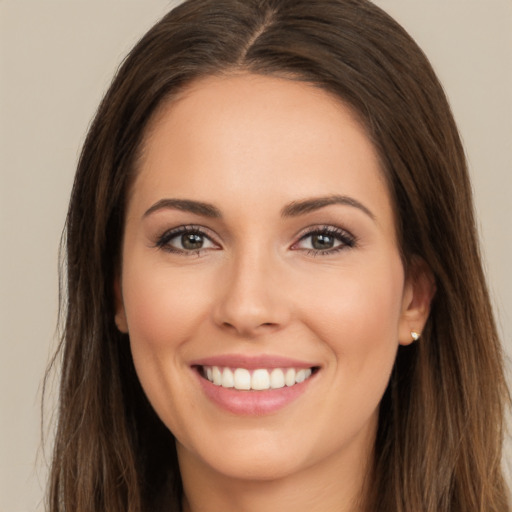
x: 252, y: 362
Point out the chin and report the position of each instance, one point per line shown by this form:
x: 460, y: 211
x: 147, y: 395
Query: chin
x: 261, y: 468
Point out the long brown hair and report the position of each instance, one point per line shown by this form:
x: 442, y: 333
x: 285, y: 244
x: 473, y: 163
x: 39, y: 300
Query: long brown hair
x: 441, y: 422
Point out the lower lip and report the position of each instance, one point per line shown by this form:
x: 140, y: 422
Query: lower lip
x: 252, y: 403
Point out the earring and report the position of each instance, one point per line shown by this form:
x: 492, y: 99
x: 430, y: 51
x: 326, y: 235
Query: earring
x: 415, y: 336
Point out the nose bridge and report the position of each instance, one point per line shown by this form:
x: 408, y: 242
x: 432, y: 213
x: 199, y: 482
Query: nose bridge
x: 249, y: 300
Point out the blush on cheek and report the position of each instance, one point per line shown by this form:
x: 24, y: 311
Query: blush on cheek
x: 161, y: 307
x: 366, y: 314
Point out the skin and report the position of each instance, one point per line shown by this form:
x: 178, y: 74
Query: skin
x: 251, y: 146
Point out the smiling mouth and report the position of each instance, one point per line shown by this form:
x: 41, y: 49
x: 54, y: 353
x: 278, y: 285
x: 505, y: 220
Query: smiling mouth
x: 260, y: 379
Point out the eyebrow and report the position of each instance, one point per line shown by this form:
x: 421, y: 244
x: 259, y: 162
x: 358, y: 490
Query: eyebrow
x: 297, y: 208
x: 293, y: 209
x: 186, y: 205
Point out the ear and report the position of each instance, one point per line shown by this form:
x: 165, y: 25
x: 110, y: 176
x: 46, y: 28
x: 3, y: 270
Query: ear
x: 419, y: 290
x: 120, y: 316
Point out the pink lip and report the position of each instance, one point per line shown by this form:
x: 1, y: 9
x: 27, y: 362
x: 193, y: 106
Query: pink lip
x: 252, y: 362
x: 252, y: 403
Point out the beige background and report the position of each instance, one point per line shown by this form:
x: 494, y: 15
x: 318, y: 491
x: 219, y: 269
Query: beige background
x: 57, y: 58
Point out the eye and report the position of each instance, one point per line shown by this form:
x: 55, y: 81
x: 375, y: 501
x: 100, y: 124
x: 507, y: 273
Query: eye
x: 325, y: 240
x: 186, y: 239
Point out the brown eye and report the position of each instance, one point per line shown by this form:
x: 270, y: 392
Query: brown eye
x: 192, y: 241
x: 186, y: 240
x: 326, y: 240
x: 321, y: 242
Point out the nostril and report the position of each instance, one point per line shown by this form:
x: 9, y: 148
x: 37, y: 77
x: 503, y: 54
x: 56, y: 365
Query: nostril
x: 244, y: 328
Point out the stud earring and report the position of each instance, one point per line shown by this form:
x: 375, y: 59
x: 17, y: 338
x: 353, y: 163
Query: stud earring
x: 415, y: 336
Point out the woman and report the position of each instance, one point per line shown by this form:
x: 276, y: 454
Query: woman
x: 275, y: 296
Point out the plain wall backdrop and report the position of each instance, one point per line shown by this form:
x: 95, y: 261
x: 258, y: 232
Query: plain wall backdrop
x: 57, y: 59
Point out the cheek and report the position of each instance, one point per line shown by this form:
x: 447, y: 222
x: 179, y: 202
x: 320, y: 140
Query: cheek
x: 360, y: 319
x: 369, y: 298
x: 359, y: 326
x: 164, y: 310
x: 162, y: 307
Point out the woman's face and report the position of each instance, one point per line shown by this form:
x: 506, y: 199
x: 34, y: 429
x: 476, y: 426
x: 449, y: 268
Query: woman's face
x: 260, y: 252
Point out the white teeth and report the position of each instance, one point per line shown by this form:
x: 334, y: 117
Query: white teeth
x: 277, y: 378
x: 242, y: 379
x: 289, y: 378
x: 300, y: 376
x: 260, y: 379
x: 217, y: 376
x: 228, y: 379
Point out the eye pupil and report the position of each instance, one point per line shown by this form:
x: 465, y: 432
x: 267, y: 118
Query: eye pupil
x: 322, y: 241
x: 192, y: 241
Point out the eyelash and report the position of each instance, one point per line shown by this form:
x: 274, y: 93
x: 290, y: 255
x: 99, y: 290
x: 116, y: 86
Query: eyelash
x: 163, y: 241
x: 347, y: 240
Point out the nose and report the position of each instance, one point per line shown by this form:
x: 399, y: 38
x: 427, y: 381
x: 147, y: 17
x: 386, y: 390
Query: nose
x: 252, y: 297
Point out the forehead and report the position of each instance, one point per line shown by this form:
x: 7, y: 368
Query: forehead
x: 271, y: 107
x: 264, y: 134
